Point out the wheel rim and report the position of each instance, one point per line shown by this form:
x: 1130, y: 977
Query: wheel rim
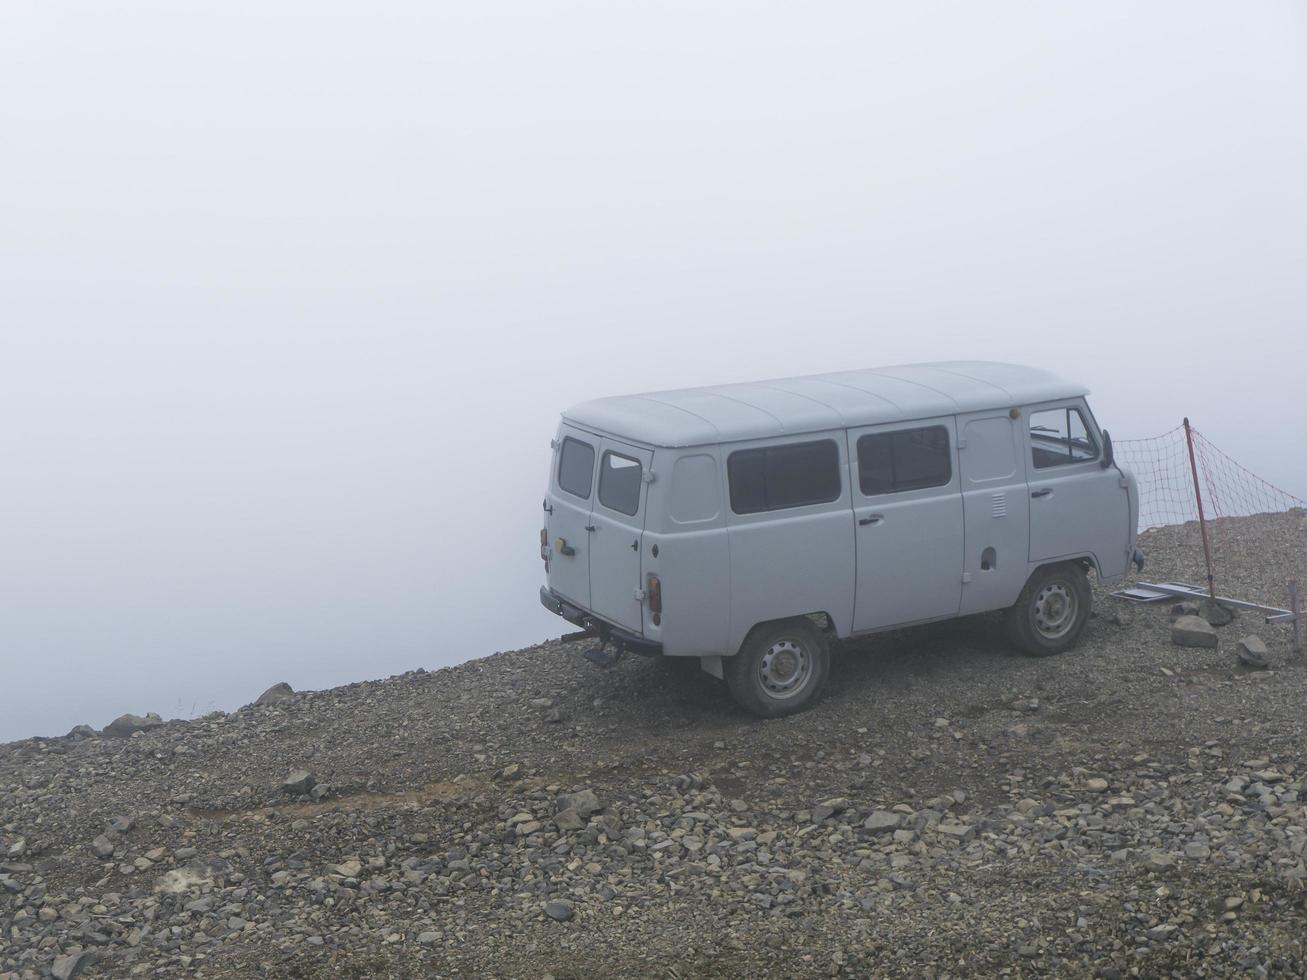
x: 784, y: 669
x: 1055, y: 610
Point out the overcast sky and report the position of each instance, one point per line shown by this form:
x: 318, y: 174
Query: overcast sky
x: 291, y: 294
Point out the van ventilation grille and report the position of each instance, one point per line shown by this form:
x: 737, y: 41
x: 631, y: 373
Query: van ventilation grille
x: 998, y: 505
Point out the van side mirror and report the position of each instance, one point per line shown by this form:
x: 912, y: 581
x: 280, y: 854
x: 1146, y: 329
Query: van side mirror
x: 1108, y: 456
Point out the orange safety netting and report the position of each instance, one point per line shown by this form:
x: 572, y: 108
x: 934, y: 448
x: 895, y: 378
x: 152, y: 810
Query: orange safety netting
x: 1166, y: 486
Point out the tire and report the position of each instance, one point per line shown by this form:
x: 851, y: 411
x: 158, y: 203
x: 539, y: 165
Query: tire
x: 1052, y: 611
x: 781, y: 668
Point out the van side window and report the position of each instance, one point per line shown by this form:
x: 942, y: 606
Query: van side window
x: 1059, y: 436
x: 619, y: 482
x: 776, y: 477
x: 696, y: 489
x: 576, y: 466
x: 909, y: 459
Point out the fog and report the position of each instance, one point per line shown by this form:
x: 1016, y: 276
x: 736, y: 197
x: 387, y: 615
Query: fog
x: 291, y: 295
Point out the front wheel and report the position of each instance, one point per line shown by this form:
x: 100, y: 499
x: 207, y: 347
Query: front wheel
x: 1052, y: 611
x: 781, y: 669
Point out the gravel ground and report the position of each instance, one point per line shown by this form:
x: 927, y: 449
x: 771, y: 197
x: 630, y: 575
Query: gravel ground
x: 951, y: 808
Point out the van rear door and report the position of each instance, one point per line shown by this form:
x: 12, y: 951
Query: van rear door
x: 617, y: 520
x: 567, y: 514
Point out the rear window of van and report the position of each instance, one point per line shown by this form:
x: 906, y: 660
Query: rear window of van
x: 576, y: 465
x: 619, y: 482
x: 777, y: 477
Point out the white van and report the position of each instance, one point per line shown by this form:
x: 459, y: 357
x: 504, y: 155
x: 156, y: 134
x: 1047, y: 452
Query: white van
x: 747, y: 524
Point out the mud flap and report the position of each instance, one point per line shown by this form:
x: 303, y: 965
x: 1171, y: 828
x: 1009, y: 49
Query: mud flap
x: 713, y: 665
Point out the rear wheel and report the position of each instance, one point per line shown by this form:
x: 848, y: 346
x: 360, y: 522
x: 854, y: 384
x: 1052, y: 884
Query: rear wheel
x: 1052, y: 611
x: 781, y: 668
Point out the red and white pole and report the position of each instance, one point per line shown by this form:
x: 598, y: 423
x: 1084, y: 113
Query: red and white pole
x: 1202, y: 520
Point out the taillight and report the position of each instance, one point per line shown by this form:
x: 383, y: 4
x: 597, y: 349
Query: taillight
x: 544, y: 544
x: 654, y: 593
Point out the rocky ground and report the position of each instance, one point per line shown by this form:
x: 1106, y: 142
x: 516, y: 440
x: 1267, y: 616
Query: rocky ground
x: 951, y: 808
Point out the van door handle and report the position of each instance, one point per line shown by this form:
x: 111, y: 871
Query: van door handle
x: 1045, y: 492
x: 870, y: 519
x: 589, y: 527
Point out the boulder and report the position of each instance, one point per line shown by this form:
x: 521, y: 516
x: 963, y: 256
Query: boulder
x: 1252, y: 651
x: 126, y: 726
x: 1217, y: 614
x: 278, y: 692
x: 1158, y: 861
x: 559, y: 911
x: 1193, y: 631
x: 350, y: 868
x: 71, y: 965
x: 569, y: 819
x: 181, y: 881
x: 828, y: 808
x: 299, y: 782
x: 955, y: 829
x: 881, y: 821
x: 102, y: 847
x: 584, y: 803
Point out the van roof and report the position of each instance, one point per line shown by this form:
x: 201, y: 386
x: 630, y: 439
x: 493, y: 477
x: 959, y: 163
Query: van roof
x: 845, y: 399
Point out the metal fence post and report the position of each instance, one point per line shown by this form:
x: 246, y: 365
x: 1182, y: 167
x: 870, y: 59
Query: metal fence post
x: 1202, y: 520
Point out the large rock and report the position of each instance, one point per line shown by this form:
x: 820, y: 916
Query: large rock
x: 559, y: 911
x: 881, y: 821
x: 278, y: 692
x: 584, y: 803
x: 299, y: 782
x: 70, y: 966
x: 349, y: 868
x: 102, y: 847
x: 1217, y: 614
x: 569, y: 819
x: 181, y: 881
x: 126, y: 726
x: 1193, y: 631
x: 1158, y: 861
x: 828, y: 808
x: 1253, y: 652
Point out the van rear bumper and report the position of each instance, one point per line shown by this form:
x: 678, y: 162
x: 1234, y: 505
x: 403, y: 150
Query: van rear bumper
x: 605, y: 631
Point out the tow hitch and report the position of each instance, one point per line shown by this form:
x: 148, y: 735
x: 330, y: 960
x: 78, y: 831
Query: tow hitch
x: 602, y: 656
x: 621, y: 641
x: 596, y: 655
